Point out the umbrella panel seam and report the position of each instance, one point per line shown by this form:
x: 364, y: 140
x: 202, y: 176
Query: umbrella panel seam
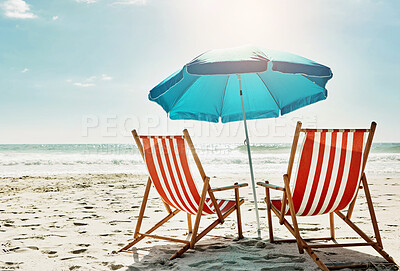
x: 223, y: 96
x: 183, y: 93
x: 269, y: 91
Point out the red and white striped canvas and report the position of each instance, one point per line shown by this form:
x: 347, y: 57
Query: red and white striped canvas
x: 328, y: 172
x: 169, y: 171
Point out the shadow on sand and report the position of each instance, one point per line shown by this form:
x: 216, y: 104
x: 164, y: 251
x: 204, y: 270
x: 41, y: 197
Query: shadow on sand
x: 248, y: 254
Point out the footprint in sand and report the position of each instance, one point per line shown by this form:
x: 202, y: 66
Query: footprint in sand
x: 69, y: 258
x: 50, y: 252
x: 161, y: 262
x: 283, y: 267
x: 106, y: 234
x: 230, y: 262
x: 168, y: 251
x: 78, y: 251
x: 284, y: 258
x: 217, y: 246
x: 247, y: 258
x: 12, y: 265
x: 84, y: 245
x: 115, y: 266
x: 261, y: 244
x: 248, y: 242
x: 80, y: 224
x: 217, y: 266
x: 310, y: 229
x: 30, y: 225
x: 197, y: 264
x: 8, y: 250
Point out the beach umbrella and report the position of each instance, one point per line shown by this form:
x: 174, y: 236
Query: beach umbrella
x: 242, y: 83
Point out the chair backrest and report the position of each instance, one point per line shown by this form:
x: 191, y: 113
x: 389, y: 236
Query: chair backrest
x: 167, y: 163
x: 329, y: 169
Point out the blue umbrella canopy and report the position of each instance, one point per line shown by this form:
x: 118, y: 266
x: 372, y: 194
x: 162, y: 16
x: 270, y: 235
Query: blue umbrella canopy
x: 274, y: 83
x: 242, y: 83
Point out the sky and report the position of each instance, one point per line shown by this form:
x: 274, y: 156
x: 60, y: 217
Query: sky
x: 79, y: 71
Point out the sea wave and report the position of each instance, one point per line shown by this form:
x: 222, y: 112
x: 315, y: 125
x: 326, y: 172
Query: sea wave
x: 115, y: 158
x: 385, y: 148
x: 279, y: 147
x: 132, y: 149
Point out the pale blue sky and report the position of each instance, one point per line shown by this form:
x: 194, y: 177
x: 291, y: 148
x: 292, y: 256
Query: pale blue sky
x: 66, y: 65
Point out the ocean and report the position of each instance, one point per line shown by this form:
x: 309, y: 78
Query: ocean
x: 217, y: 159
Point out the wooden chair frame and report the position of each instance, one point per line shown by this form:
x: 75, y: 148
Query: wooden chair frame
x: 195, y: 235
x: 303, y: 244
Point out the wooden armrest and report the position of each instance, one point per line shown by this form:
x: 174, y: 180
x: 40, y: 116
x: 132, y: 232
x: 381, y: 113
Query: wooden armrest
x: 229, y: 187
x: 271, y: 186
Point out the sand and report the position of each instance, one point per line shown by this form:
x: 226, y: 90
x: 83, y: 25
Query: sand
x: 77, y: 222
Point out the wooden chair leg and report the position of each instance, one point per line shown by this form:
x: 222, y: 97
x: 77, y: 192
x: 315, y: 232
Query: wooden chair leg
x: 332, y: 225
x: 293, y: 214
x: 205, y: 231
x: 283, y: 208
x: 239, y: 220
x: 372, y: 211
x: 364, y: 236
x: 156, y: 226
x: 189, y: 219
x: 167, y: 207
x: 142, y: 208
x: 315, y: 258
x: 180, y: 252
x: 269, y: 216
x: 199, y: 212
x: 308, y: 249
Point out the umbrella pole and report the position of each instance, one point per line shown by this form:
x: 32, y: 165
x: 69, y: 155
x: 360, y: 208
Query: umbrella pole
x: 250, y: 162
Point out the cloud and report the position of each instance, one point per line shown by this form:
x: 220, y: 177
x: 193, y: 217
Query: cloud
x: 55, y: 18
x: 106, y: 77
x: 86, y: 1
x: 131, y: 2
x: 91, y: 81
x: 84, y: 85
x: 25, y: 70
x: 88, y: 82
x: 18, y: 9
x: 91, y: 78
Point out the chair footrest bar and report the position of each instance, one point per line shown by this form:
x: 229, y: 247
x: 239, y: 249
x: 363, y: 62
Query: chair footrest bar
x: 165, y: 238
x: 336, y: 267
x: 305, y: 239
x: 341, y: 245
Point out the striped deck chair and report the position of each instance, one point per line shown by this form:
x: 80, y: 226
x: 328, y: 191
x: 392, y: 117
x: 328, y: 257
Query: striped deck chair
x: 329, y: 174
x: 167, y: 164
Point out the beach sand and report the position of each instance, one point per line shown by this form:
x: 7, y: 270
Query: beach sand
x: 77, y: 222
